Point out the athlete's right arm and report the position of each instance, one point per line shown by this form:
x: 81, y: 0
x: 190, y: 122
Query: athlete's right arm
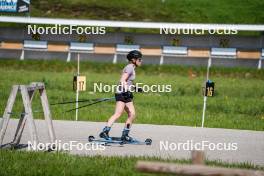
x: 123, y: 80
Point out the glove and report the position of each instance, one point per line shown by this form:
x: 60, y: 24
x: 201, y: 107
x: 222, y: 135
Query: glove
x: 139, y: 89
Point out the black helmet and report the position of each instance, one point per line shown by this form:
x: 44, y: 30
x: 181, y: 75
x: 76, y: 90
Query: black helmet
x: 134, y: 54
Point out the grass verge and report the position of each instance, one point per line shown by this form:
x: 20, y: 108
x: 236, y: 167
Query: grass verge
x: 34, y: 163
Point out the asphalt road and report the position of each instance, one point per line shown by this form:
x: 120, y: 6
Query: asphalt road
x: 169, y: 141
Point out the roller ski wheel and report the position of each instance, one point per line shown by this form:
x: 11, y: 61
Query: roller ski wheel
x: 91, y: 138
x: 148, y: 141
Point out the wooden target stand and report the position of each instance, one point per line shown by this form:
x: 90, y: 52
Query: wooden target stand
x: 27, y: 92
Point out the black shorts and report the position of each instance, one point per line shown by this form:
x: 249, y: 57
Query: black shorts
x: 125, y: 97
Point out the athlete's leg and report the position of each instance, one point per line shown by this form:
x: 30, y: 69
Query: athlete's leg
x: 130, y: 109
x: 131, y: 114
x: 118, y: 112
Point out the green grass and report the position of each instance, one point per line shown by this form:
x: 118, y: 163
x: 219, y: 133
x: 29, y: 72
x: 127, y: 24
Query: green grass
x: 238, y: 101
x: 196, y: 11
x: 181, y: 11
x: 33, y: 163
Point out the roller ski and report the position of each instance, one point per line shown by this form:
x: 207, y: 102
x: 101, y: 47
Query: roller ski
x: 119, y: 140
x: 124, y: 139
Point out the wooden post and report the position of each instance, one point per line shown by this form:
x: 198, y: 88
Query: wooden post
x: 7, y: 113
x: 169, y: 168
x: 198, y: 157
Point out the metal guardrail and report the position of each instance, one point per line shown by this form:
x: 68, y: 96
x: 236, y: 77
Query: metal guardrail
x: 131, y: 24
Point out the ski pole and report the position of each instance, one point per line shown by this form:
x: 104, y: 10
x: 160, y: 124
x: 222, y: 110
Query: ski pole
x: 99, y: 101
